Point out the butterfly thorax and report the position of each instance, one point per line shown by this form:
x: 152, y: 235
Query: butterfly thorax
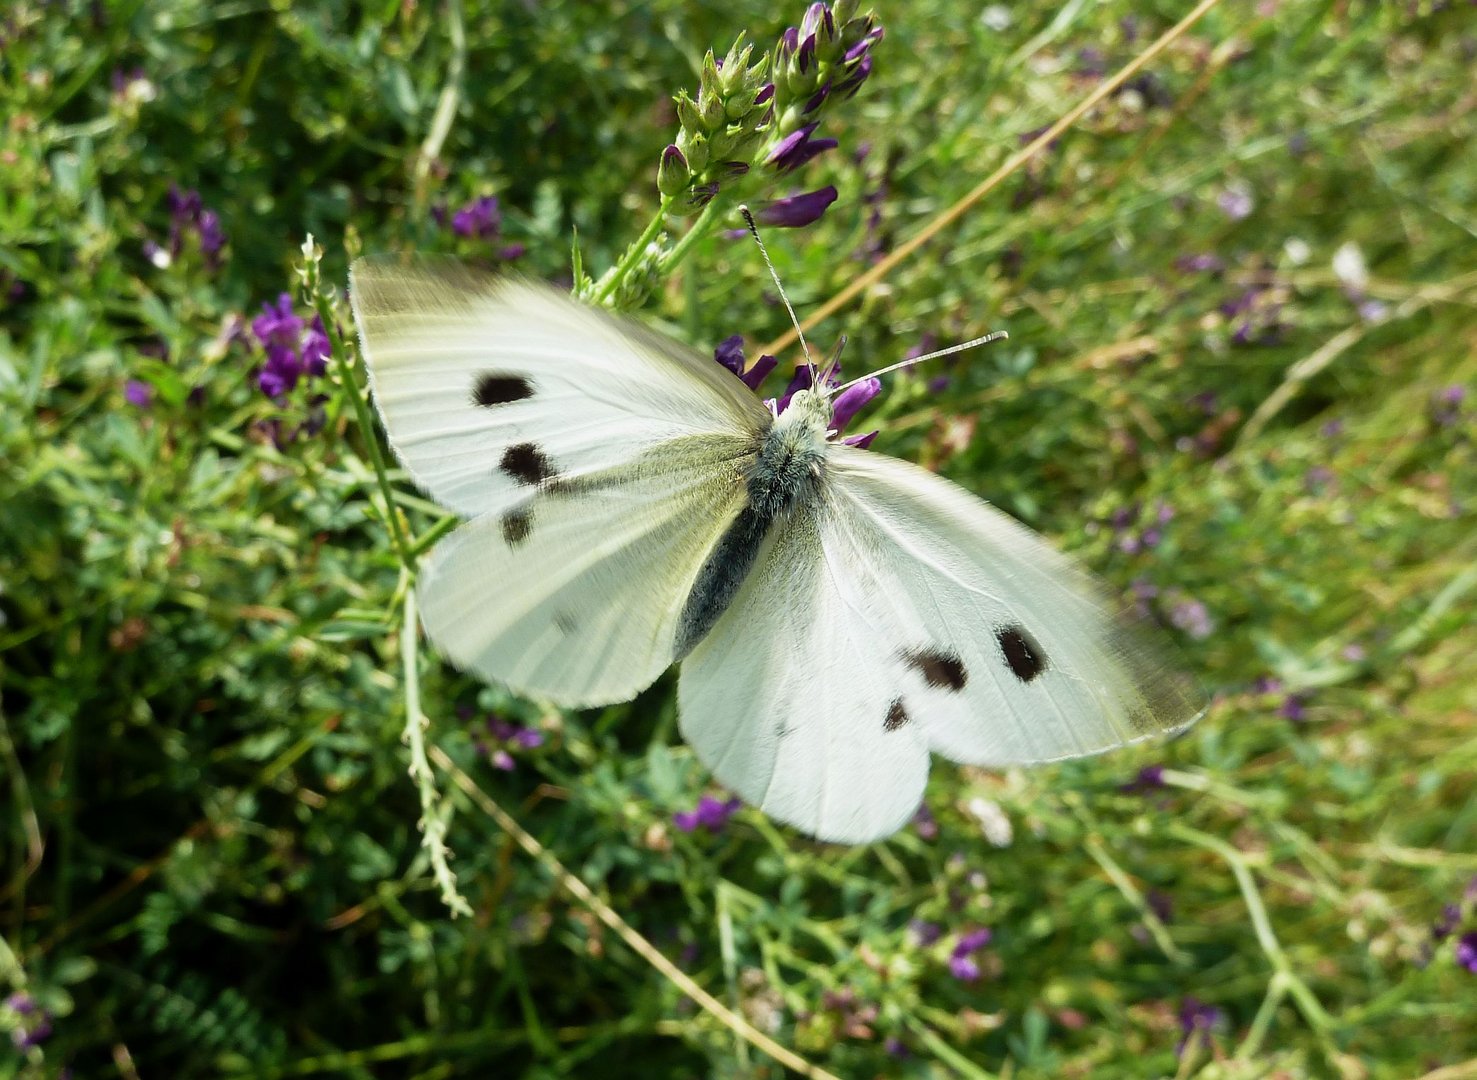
x: 786, y: 474
x: 792, y: 456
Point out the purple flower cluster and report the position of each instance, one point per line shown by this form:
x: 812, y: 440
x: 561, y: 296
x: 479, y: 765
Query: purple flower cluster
x: 31, y: 1024
x: 294, y: 349
x: 1255, y: 315
x: 480, y: 220
x: 710, y: 814
x: 740, y: 120
x: 962, y: 964
x: 1451, y: 919
x: 189, y: 222
x: 501, y: 740
x: 1132, y: 534
x: 1149, y: 778
x: 1191, y: 617
x: 1197, y: 1020
x: 844, y: 407
x: 1446, y: 405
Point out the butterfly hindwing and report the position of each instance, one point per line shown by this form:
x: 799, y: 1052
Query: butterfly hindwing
x: 901, y: 614
x: 487, y: 384
x: 575, y: 595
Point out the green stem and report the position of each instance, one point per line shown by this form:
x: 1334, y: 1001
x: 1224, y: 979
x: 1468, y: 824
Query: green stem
x: 340, y: 352
x: 433, y: 822
x: 1284, y: 978
x: 633, y: 253
x: 698, y: 231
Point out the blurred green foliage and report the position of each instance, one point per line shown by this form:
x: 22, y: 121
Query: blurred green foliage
x: 211, y: 861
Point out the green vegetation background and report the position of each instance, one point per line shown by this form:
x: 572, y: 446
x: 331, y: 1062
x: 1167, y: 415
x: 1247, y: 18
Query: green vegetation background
x: 211, y: 862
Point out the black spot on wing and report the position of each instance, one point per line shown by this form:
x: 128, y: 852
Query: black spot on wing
x: 526, y: 463
x: 939, y: 668
x: 897, y: 716
x: 565, y: 623
x: 1023, y: 654
x: 517, y: 524
x: 493, y: 388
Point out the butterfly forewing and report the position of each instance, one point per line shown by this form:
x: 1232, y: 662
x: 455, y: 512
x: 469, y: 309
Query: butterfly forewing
x: 600, y: 461
x: 485, y: 383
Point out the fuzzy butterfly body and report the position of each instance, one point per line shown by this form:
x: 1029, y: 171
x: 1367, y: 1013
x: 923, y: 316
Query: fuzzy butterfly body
x: 838, y: 614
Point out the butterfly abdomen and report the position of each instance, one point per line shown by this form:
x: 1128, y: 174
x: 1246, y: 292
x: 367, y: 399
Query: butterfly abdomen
x: 788, y: 472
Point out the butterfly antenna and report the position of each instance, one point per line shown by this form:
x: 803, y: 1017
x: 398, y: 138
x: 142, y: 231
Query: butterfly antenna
x: 754, y: 232
x: 998, y: 335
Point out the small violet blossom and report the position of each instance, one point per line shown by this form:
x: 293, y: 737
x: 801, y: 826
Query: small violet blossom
x: 295, y: 350
x: 1466, y: 951
x: 1149, y: 778
x: 710, y: 814
x: 844, y: 407
x: 499, y: 740
x: 481, y: 220
x: 139, y: 394
x: 188, y: 218
x: 1196, y: 1016
x: 962, y: 964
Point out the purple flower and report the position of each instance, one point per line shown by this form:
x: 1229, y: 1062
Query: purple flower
x: 797, y: 211
x: 1451, y: 917
x: 138, y: 394
x: 278, y: 325
x: 21, y: 1002
x: 1466, y: 951
x: 1149, y: 778
x: 503, y: 760
x: 730, y: 353
x: 316, y: 348
x: 1446, y: 405
x: 187, y: 216
x: 962, y: 964
x: 1236, y: 202
x: 293, y: 349
x: 1192, y: 617
x: 1293, y: 708
x: 796, y: 148
x: 850, y: 401
x: 280, y: 373
x: 480, y: 218
x: 1200, y: 264
x: 528, y: 738
x: 710, y: 813
x: 1196, y: 1016
x: 925, y: 823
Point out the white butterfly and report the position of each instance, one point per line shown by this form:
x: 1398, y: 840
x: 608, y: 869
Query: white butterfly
x: 838, y: 614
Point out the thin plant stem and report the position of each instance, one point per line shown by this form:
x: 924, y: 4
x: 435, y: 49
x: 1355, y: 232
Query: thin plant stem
x: 1283, y: 975
x: 446, y: 103
x: 603, y: 911
x: 340, y: 351
x: 432, y: 822
x: 876, y: 273
x: 633, y: 253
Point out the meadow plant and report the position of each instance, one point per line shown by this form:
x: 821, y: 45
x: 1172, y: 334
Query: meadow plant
x: 1233, y: 254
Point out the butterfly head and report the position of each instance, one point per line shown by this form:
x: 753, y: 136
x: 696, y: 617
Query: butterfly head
x: 807, y: 412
